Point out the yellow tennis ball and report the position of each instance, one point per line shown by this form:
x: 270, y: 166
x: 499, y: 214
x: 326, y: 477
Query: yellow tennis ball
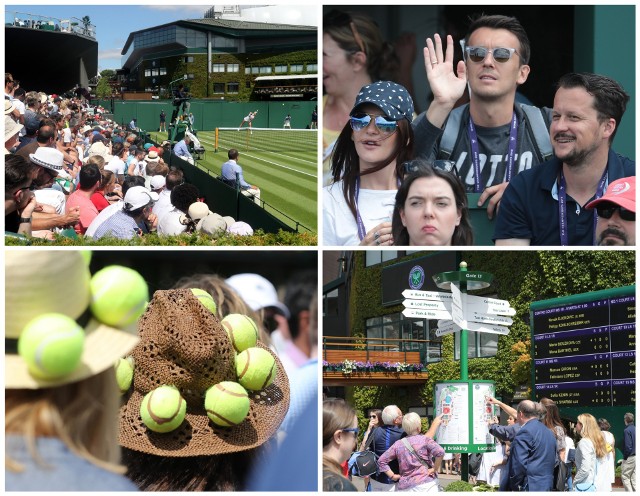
x: 51, y: 344
x: 242, y: 331
x: 163, y: 409
x: 86, y: 256
x: 227, y: 403
x: 206, y: 299
x: 119, y: 295
x: 256, y: 368
x: 124, y: 373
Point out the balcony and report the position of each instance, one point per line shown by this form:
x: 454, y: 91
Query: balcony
x: 362, y: 361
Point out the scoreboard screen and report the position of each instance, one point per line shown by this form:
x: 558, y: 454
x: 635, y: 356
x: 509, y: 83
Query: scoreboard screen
x: 584, y: 353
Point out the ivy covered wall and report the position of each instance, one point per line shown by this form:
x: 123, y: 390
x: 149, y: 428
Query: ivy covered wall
x: 520, y: 277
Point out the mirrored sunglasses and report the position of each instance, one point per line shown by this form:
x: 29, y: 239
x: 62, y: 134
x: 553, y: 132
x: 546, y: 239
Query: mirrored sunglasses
x: 606, y: 212
x: 478, y: 54
x: 360, y: 121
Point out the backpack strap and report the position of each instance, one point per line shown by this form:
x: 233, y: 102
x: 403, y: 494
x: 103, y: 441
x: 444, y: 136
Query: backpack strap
x: 369, y: 439
x: 451, y: 132
x: 538, y: 126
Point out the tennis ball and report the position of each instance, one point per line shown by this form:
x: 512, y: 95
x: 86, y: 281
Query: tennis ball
x: 242, y: 331
x: 227, y: 403
x: 124, y: 373
x: 206, y: 299
x: 51, y: 344
x: 256, y: 368
x: 163, y: 409
x: 86, y: 256
x: 118, y: 295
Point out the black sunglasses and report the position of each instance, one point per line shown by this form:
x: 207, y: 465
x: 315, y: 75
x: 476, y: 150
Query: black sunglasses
x: 412, y: 166
x: 339, y: 18
x: 606, y: 212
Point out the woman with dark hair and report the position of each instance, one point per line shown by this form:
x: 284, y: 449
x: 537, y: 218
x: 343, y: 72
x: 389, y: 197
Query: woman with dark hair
x: 375, y: 419
x: 367, y: 167
x: 610, y: 443
x: 431, y: 207
x: 553, y: 422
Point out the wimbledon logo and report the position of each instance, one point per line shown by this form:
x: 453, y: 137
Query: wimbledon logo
x: 416, y: 277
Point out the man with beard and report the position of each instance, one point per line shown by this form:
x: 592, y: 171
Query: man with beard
x: 617, y: 214
x: 546, y: 205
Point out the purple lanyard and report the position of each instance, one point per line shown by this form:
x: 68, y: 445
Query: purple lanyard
x: 562, y: 206
x: 475, y: 152
x: 361, y: 230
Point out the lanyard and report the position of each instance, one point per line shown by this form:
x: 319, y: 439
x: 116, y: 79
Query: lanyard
x: 361, y: 230
x: 475, y: 152
x: 562, y: 206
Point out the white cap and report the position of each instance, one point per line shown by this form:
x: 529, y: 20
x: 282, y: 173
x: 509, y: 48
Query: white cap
x: 138, y: 197
x: 158, y: 182
x: 257, y: 292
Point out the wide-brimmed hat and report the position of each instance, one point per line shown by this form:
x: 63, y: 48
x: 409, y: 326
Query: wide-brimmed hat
x: 257, y: 292
x: 182, y: 344
x: 393, y: 99
x: 32, y: 288
x: 49, y: 158
x: 621, y: 192
x: 11, y: 127
x: 9, y: 107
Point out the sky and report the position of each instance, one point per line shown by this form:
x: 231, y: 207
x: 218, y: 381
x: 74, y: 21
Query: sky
x: 114, y: 23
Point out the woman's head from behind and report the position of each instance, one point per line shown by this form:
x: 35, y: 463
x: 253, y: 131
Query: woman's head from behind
x: 588, y: 428
x: 352, y: 40
x: 431, y: 207
x: 411, y: 423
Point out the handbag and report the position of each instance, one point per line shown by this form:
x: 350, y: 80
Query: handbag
x: 588, y: 487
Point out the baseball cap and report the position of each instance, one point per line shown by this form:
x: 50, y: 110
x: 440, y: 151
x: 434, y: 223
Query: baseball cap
x: 621, y: 192
x: 138, y: 197
x: 257, y: 292
x: 198, y: 210
x: 393, y: 99
x: 158, y: 182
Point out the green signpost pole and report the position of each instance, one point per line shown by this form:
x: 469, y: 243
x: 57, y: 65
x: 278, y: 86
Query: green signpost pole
x: 464, y: 280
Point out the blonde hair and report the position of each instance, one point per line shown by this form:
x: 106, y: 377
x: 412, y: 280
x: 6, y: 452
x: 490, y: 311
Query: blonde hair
x: 411, y: 423
x: 83, y: 415
x: 97, y: 160
x: 591, y: 431
x: 227, y: 300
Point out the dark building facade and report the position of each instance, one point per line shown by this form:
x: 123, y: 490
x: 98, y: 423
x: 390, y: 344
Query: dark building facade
x: 221, y: 58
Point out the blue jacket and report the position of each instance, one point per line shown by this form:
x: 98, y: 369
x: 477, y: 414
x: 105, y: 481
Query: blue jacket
x: 532, y: 459
x: 629, y: 441
x: 383, y: 437
x: 504, y: 432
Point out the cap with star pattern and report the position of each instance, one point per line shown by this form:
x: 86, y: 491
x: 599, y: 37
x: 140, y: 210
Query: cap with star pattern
x: 393, y: 99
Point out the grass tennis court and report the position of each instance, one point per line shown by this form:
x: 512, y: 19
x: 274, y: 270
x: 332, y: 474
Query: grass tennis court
x: 282, y: 163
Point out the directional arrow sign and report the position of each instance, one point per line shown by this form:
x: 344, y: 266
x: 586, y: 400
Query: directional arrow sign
x: 426, y: 304
x: 457, y: 315
x: 492, y: 329
x: 426, y: 314
x: 488, y: 319
x: 488, y: 305
x: 426, y: 295
x: 447, y: 329
x: 444, y: 323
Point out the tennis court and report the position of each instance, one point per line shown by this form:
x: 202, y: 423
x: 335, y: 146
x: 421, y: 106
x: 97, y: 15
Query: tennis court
x: 283, y: 163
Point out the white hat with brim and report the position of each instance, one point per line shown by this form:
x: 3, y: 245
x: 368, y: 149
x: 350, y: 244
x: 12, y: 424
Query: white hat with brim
x: 9, y: 107
x: 31, y: 281
x: 11, y: 128
x: 49, y: 158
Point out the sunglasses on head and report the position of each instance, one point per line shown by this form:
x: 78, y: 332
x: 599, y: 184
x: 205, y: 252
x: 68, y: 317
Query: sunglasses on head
x: 607, y: 211
x: 361, y: 120
x: 449, y: 166
x: 338, y: 18
x: 478, y: 54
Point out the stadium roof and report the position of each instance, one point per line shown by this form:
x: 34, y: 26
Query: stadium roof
x: 231, y: 28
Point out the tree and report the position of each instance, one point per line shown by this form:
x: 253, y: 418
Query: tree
x: 103, y: 90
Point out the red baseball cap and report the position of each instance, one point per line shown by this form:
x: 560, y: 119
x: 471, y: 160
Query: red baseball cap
x: 621, y: 192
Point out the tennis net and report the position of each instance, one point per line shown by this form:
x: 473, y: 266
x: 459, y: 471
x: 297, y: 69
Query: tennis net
x: 267, y: 140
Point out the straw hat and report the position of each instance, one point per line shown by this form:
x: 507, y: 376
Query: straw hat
x: 184, y: 345
x: 34, y: 280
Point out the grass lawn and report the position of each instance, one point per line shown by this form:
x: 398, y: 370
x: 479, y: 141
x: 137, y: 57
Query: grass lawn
x: 283, y: 164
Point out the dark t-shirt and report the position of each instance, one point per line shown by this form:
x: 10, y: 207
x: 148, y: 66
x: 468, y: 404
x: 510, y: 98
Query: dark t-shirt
x: 12, y: 222
x: 334, y: 482
x: 383, y: 438
x: 493, y: 146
